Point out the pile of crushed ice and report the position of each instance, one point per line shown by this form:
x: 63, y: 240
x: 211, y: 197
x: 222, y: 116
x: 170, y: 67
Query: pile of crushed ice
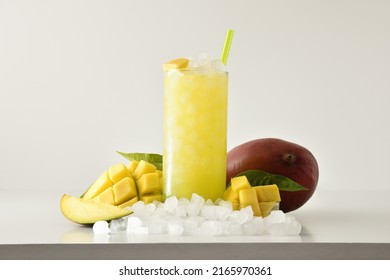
x: 205, y: 63
x: 198, y: 217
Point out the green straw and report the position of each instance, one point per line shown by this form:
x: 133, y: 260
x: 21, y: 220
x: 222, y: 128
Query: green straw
x: 226, y: 46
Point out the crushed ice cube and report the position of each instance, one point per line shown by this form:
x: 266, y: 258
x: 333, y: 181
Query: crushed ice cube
x: 171, y: 204
x: 248, y: 211
x: 156, y: 228
x: 208, y: 212
x: 197, y: 199
x: 118, y: 224
x: 133, y: 223
x: 235, y: 229
x: 249, y: 228
x: 180, y: 211
x: 276, y: 228
x: 190, y: 224
x: 156, y: 225
x: 258, y: 225
x: 183, y: 201
x: 218, y: 201
x: 204, y: 62
x: 101, y: 227
x: 210, y: 228
x: 209, y: 202
x: 225, y: 203
x: 293, y: 227
x: 218, y: 65
x: 239, y: 217
x: 193, y: 208
x: 149, y: 208
x: 222, y: 213
x: 137, y: 206
x: 277, y: 216
x: 175, y: 227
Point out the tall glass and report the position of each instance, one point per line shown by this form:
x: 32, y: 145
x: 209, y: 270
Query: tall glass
x: 195, y: 132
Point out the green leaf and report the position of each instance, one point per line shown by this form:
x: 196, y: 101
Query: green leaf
x: 261, y: 178
x: 155, y: 159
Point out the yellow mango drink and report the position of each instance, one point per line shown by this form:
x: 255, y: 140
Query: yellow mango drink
x: 195, y: 129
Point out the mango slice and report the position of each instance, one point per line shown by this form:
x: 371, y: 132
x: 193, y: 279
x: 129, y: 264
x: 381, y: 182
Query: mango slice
x: 99, y: 186
x: 87, y: 211
x: 178, y: 63
x: 262, y: 199
x: 115, y: 189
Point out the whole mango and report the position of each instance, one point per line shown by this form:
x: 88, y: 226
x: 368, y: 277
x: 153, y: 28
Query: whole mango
x: 280, y: 157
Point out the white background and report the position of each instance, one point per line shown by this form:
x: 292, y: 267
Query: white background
x: 82, y: 79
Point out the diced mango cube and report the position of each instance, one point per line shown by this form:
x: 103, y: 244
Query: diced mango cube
x: 144, y: 167
x: 124, y: 190
x: 239, y: 183
x: 117, y: 172
x: 266, y: 207
x: 267, y: 193
x: 149, y: 183
x: 129, y: 202
x: 151, y: 197
x: 248, y: 197
x: 132, y: 166
x: 230, y: 195
x: 101, y: 184
x: 107, y: 196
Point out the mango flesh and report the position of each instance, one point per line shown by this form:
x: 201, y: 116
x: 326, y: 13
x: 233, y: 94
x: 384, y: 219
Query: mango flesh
x: 149, y: 183
x: 240, y: 183
x: 151, y: 197
x: 178, y: 63
x: 88, y: 211
x: 248, y: 197
x: 268, y: 193
x: 143, y: 167
x: 124, y: 190
x: 117, y: 172
x: 121, y: 184
x: 100, y: 185
x: 115, y: 189
x: 132, y: 166
x: 262, y: 199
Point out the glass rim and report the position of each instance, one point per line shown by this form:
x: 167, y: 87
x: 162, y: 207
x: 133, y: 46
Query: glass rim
x: 200, y: 71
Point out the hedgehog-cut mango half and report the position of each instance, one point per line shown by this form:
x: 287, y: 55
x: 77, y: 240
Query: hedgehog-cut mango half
x: 113, y: 191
